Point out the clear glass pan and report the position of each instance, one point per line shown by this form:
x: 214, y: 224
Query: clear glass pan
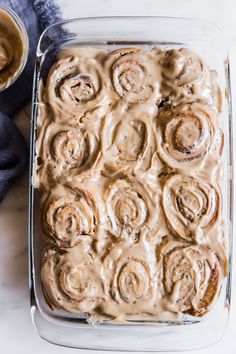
x: 110, y: 33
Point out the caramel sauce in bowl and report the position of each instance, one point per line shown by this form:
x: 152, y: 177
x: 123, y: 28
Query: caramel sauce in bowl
x: 14, y: 47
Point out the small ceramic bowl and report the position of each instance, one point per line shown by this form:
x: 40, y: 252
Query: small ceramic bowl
x: 25, y: 47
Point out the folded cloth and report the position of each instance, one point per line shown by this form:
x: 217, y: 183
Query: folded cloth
x: 13, y: 153
x: 36, y: 16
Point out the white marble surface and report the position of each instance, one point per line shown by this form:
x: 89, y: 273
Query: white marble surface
x: 16, y: 330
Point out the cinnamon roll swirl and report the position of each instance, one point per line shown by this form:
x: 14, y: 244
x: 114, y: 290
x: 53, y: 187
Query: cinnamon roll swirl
x: 72, y: 279
x: 130, y: 208
x: 69, y: 148
x: 75, y: 85
x: 134, y: 75
x: 67, y: 218
x: 191, y: 206
x: 186, y: 78
x: 185, y: 135
x: 65, y: 150
x: 128, y: 142
x: 190, y: 277
x: 74, y: 149
x: 130, y: 276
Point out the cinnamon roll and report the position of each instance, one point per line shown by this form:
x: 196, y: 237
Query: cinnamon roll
x: 74, y: 149
x: 128, y: 142
x: 69, y: 148
x: 130, y: 276
x: 129, y: 208
x: 72, y: 279
x: 65, y: 150
x: 134, y: 75
x: 186, y: 78
x: 191, y: 206
x: 190, y: 277
x: 185, y: 135
x: 75, y: 85
x: 67, y: 218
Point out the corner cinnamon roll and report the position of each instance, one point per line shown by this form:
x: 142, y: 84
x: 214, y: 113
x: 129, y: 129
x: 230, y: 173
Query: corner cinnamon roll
x: 68, y: 218
x: 130, y: 276
x: 190, y: 277
x: 191, y: 207
x: 72, y: 279
x: 129, y: 208
x: 185, y: 135
x: 134, y: 75
x: 186, y: 78
x: 128, y: 141
x: 75, y: 85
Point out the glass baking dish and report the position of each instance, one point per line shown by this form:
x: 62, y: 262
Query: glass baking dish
x: 110, y: 33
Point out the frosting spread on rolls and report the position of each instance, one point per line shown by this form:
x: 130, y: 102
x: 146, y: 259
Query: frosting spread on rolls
x: 187, y: 78
x: 130, y: 209
x: 128, y: 165
x: 75, y: 84
x: 73, y: 279
x: 186, y: 135
x: 70, y: 214
x: 189, y: 276
x: 133, y: 75
x: 129, y: 141
x: 191, y: 206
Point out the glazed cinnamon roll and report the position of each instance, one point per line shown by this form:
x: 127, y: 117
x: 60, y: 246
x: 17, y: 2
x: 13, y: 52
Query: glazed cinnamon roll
x: 129, y: 208
x: 191, y: 207
x: 72, y: 279
x: 75, y: 85
x: 67, y: 218
x: 74, y: 149
x: 185, y: 135
x: 186, y: 78
x: 129, y: 274
x: 190, y: 277
x: 69, y: 148
x: 64, y: 151
x: 128, y: 142
x: 134, y: 75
